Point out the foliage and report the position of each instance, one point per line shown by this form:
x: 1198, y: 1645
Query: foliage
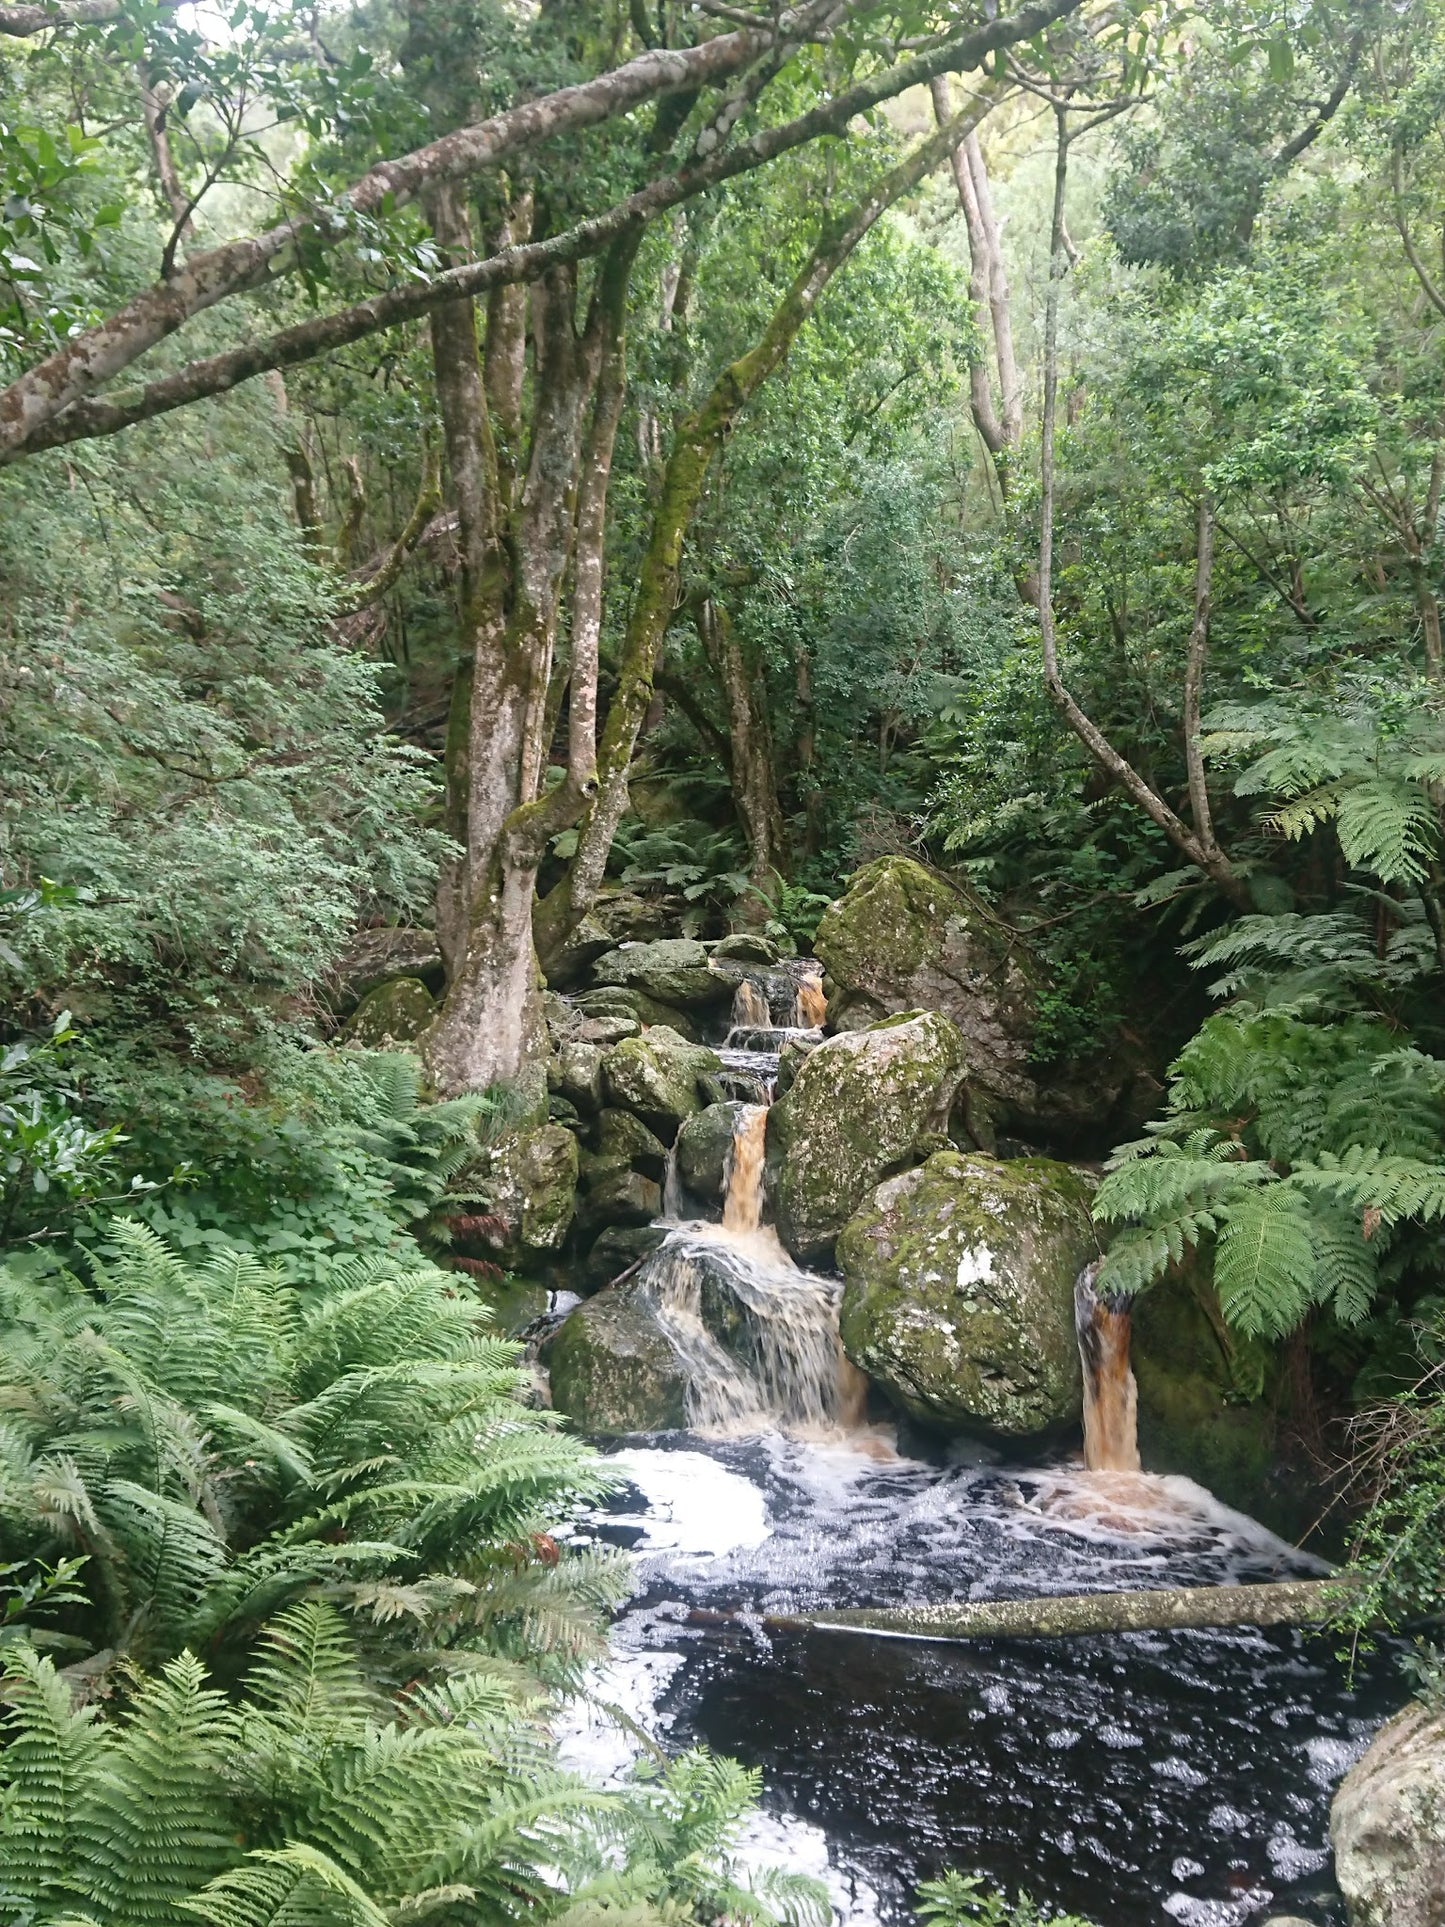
x: 959, y: 1899
x: 45, y: 1147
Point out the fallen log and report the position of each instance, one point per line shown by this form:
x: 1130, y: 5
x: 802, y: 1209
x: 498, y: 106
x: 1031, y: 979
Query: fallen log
x: 1287, y: 1602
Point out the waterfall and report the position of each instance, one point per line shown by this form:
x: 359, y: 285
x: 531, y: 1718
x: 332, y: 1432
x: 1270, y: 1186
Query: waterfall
x: 1111, y: 1433
x: 751, y: 1010
x: 743, y: 1193
x: 781, y: 1363
x: 810, y: 1008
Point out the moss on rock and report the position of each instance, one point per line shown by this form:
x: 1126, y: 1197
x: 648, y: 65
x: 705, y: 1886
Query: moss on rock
x: 959, y: 1292
x: 530, y: 1182
x: 704, y: 1146
x: 657, y: 1076
x: 614, y: 1370
x: 394, y: 1013
x: 857, y: 1107
x: 674, y: 971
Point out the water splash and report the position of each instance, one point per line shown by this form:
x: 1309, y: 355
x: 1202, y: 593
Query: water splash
x: 1111, y: 1418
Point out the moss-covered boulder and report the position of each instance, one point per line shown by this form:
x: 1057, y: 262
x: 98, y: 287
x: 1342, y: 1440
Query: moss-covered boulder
x: 617, y: 1197
x: 905, y: 938
x: 674, y: 971
x: 791, y: 1058
x: 613, y: 1369
x: 659, y: 1077
x: 530, y: 1182
x: 704, y: 1148
x: 619, y: 1248
x: 1387, y: 1825
x: 576, y: 1074
x: 746, y: 946
x: 619, y: 1139
x: 858, y: 1107
x: 376, y: 957
x: 392, y: 1014
x: 959, y: 1292
x: 1208, y: 1403
x: 623, y: 1002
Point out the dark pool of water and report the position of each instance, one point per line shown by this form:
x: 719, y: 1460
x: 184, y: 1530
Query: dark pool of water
x: 1136, y: 1779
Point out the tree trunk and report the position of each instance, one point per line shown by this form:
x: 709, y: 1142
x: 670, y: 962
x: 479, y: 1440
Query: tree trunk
x: 697, y: 439
x: 1288, y: 1602
x: 754, y: 783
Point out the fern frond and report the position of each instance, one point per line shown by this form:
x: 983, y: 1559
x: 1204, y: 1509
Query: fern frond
x: 1264, y: 1260
x: 52, y: 1748
x: 290, y: 1886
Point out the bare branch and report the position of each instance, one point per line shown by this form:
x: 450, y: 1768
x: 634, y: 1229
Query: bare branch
x: 21, y: 22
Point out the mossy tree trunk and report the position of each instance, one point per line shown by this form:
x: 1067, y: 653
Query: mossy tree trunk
x: 697, y: 440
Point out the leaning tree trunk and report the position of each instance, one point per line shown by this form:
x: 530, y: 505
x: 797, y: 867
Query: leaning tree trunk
x: 754, y: 781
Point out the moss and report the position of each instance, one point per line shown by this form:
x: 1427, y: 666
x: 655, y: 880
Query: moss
x: 856, y: 1109
x: 637, y: 1006
x: 674, y: 971
x: 613, y: 1370
x: 394, y: 1013
x: 657, y: 1077
x: 959, y: 1292
x: 531, y: 1182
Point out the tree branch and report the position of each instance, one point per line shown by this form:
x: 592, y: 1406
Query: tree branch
x: 23, y: 21
x: 1194, y: 676
x: 1211, y: 860
x: 30, y: 405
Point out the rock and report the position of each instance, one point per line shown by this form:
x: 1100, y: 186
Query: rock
x: 561, y: 1110
x: 607, y: 1030
x: 791, y: 1058
x: 674, y: 971
x: 704, y: 1147
x: 530, y: 1182
x: 657, y: 1076
x: 394, y: 1013
x: 958, y: 1292
x: 376, y: 956
x: 620, y: 1139
x: 589, y: 941
x: 617, y: 1196
x: 747, y: 946
x: 1207, y: 1403
x: 904, y: 938
x: 1388, y: 1825
x: 513, y: 1303
x: 613, y: 1369
x: 576, y: 1074
x: 857, y: 1108
x: 617, y: 1249
x: 637, y: 1007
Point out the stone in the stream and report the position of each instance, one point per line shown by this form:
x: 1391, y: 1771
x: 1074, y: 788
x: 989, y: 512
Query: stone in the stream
x: 576, y: 1074
x: 659, y: 1077
x: 530, y: 1182
x: 905, y: 938
x: 959, y: 1292
x: 618, y: 1249
x: 704, y: 1146
x: 619, y: 1001
x: 794, y: 1054
x: 619, y: 1138
x: 674, y: 971
x: 1388, y: 1825
x: 613, y: 1368
x: 614, y: 1196
x: 858, y: 1107
x: 747, y: 946
x: 394, y: 1013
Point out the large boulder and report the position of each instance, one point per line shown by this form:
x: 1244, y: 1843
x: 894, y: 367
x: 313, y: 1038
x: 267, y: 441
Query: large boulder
x: 393, y: 1013
x: 614, y: 1369
x: 704, y: 1149
x: 576, y: 1074
x: 530, y: 1182
x: 620, y: 1248
x: 905, y: 938
x: 1388, y: 1825
x: 674, y: 971
x: 858, y: 1107
x: 958, y: 1292
x: 620, y: 1139
x: 659, y: 1076
x: 618, y: 1197
x: 376, y: 956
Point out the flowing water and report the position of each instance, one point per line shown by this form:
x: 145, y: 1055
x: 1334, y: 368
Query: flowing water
x: 1134, y: 1778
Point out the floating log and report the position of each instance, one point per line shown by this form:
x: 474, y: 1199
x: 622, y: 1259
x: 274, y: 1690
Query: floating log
x: 1288, y: 1602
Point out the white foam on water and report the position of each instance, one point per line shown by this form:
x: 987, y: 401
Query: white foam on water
x: 1289, y: 1859
x: 790, y: 1845
x: 591, y: 1740
x: 1190, y: 1912
x: 1330, y: 1758
x: 697, y: 1509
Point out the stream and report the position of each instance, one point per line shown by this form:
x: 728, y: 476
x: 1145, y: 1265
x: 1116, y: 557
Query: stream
x: 1134, y: 1778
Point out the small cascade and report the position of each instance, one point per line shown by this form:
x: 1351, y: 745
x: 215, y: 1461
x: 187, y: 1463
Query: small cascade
x: 1111, y: 1432
x: 780, y: 1366
x: 673, y: 1199
x: 751, y: 1010
x: 743, y: 1192
x: 810, y: 1007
